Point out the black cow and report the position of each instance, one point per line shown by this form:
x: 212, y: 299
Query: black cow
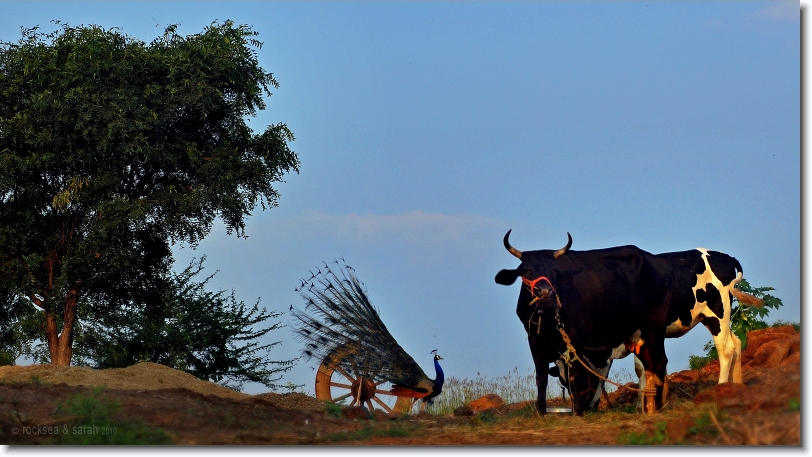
x: 603, y: 297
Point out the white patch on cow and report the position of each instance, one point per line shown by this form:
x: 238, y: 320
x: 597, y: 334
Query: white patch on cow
x: 727, y: 344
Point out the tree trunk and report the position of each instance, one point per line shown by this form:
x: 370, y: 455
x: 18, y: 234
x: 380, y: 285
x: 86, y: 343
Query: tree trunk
x: 61, y: 345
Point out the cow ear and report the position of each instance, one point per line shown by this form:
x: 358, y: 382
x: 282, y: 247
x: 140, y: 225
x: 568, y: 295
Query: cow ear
x: 507, y: 277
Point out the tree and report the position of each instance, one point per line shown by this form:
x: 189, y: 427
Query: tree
x: 742, y: 320
x: 18, y: 327
x: 208, y: 334
x: 112, y: 149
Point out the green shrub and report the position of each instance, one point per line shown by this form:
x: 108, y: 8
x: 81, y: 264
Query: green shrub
x: 332, y: 408
x: 633, y: 438
x: 6, y: 359
x: 92, y: 420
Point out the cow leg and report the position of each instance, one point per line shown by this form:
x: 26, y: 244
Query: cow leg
x: 542, y: 373
x: 641, y: 381
x: 599, y: 388
x: 737, y: 359
x: 729, y: 348
x: 726, y: 348
x: 653, y: 357
x: 580, y: 390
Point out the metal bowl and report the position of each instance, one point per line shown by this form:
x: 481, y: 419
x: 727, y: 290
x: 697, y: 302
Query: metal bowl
x: 559, y: 410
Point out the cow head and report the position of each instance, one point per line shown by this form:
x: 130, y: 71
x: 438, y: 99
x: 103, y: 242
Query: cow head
x: 537, y: 271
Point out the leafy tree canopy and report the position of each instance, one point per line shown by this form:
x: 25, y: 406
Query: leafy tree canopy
x: 112, y: 149
x: 208, y: 334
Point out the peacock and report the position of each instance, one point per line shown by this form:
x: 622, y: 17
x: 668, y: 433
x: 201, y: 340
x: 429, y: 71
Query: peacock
x: 341, y: 328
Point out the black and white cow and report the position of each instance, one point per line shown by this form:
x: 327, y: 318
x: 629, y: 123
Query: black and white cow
x: 712, y: 277
x: 603, y: 297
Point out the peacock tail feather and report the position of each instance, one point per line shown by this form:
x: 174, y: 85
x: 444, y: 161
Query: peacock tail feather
x: 341, y: 328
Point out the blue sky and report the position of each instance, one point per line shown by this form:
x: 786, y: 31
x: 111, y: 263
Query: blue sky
x: 427, y: 130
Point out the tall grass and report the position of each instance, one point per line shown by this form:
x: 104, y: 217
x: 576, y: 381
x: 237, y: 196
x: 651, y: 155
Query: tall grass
x: 512, y: 387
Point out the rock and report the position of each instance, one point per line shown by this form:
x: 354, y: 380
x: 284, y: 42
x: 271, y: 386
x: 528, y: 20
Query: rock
x: 685, y: 376
x: 463, y: 411
x: 726, y: 395
x: 380, y: 415
x: 520, y: 405
x: 356, y: 412
x: 794, y: 343
x: 710, y: 371
x: 678, y: 429
x: 756, y: 338
x: 792, y: 359
x: 771, y: 353
x: 486, y: 402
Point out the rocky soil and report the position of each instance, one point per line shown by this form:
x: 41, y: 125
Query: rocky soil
x: 149, y: 403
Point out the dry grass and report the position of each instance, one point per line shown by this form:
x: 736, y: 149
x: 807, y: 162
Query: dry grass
x: 142, y: 376
x: 513, y: 387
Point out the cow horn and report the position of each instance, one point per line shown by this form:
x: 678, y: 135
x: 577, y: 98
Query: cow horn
x: 561, y: 251
x: 510, y: 248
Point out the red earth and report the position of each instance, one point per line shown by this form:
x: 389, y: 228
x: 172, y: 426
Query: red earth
x: 41, y: 404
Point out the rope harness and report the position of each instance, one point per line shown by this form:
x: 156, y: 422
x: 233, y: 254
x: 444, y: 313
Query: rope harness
x: 570, y: 355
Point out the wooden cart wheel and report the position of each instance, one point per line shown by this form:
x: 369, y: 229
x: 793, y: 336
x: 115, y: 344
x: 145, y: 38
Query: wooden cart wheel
x: 335, y: 384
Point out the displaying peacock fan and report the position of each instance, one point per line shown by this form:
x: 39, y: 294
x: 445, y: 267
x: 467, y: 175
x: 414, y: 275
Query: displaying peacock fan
x: 343, y: 331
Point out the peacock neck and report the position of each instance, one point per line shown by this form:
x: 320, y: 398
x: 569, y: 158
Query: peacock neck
x: 440, y: 378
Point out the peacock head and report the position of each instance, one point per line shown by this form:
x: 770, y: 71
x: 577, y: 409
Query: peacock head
x: 436, y: 355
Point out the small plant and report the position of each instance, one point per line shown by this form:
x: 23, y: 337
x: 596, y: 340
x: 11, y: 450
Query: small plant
x: 35, y: 380
x: 487, y: 417
x: 332, y: 408
x: 633, y: 438
x: 782, y: 323
x: 367, y: 432
x: 91, y: 420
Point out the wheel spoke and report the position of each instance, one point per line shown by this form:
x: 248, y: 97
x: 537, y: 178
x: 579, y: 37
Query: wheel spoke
x: 369, y: 405
x: 385, y: 406
x: 338, y: 399
x: 345, y: 374
x: 383, y: 392
x: 338, y: 384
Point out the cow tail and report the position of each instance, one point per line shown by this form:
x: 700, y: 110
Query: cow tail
x: 744, y: 298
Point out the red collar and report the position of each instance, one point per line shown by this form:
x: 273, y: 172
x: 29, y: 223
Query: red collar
x: 532, y: 284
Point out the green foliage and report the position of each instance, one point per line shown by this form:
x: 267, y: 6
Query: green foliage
x: 746, y: 318
x: 332, y: 408
x: 635, y: 438
x: 367, y: 432
x: 782, y: 323
x: 112, y: 149
x: 743, y: 319
x: 487, y: 417
x: 93, y: 420
x: 695, y: 362
x: 20, y: 326
x: 207, y: 334
x: 6, y: 359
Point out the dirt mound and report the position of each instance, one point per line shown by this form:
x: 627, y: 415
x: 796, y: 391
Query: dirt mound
x: 772, y: 358
x: 139, y: 377
x: 293, y: 400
